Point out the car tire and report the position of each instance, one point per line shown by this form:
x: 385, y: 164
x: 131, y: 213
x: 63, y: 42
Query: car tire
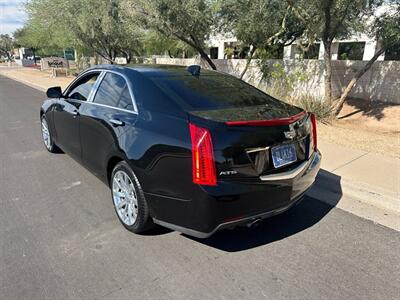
x: 128, y: 198
x: 46, y: 136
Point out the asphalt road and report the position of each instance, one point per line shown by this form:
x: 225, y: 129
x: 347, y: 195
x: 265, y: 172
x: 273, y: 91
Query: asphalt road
x: 60, y: 239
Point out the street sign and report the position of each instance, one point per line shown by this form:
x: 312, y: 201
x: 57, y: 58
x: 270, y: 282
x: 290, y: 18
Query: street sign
x: 69, y: 54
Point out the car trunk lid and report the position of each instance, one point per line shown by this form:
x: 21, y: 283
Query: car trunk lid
x: 244, y: 143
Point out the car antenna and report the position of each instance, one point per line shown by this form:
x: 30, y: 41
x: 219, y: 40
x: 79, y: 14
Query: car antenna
x: 194, y: 70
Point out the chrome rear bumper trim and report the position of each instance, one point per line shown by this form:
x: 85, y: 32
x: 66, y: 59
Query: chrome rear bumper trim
x: 311, y: 163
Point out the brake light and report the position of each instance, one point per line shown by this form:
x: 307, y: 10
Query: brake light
x: 314, y: 130
x: 202, y: 156
x: 271, y: 122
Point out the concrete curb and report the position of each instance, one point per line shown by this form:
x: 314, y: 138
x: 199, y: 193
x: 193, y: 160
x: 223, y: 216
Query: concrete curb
x: 363, y: 192
x: 368, y: 202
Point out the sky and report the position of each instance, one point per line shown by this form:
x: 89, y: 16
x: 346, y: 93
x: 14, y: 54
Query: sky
x: 12, y: 15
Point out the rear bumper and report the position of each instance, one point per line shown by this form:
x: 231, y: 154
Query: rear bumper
x: 233, y: 203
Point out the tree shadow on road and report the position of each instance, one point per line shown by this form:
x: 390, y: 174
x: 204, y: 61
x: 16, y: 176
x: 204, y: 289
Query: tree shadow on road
x: 304, y: 215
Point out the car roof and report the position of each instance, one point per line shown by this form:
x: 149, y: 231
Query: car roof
x: 152, y: 70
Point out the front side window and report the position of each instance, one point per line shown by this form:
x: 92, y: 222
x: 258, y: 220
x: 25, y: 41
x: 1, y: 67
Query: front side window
x: 113, y: 91
x: 81, y: 90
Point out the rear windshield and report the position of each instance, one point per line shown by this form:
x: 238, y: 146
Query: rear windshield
x: 210, y: 92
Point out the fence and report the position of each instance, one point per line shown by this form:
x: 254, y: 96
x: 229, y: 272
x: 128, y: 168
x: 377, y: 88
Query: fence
x: 380, y: 83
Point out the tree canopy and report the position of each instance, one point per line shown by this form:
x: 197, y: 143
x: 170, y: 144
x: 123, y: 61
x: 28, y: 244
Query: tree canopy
x: 6, y: 45
x: 156, y: 43
x: 97, y: 26
x: 327, y: 20
x: 190, y: 21
x: 263, y: 23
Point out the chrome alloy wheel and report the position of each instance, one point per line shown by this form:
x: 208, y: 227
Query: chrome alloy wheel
x: 46, y: 134
x: 125, y: 198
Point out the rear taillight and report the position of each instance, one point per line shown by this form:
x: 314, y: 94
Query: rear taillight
x: 202, y: 156
x: 314, y: 130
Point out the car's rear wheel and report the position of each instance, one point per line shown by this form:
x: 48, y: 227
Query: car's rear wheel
x: 46, y: 136
x: 129, y: 201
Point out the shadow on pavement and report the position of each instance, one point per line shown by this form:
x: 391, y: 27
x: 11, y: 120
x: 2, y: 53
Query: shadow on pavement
x: 304, y: 215
x: 157, y: 230
x: 367, y: 108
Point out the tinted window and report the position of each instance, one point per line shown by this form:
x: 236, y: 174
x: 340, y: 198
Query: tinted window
x: 125, y: 101
x: 82, y: 88
x: 207, y: 92
x: 113, y: 91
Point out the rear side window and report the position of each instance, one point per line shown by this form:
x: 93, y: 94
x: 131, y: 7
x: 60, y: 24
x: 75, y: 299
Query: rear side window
x: 125, y: 101
x: 209, y: 92
x: 113, y: 91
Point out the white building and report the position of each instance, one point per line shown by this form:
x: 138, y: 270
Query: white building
x: 354, y: 48
x: 357, y: 47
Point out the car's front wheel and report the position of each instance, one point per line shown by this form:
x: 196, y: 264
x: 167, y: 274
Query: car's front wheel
x: 129, y: 201
x: 46, y: 136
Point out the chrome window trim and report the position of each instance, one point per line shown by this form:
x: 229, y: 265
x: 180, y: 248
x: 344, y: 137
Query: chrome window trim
x: 135, y: 110
x: 104, y: 105
x: 96, y: 87
x: 113, y: 107
x: 93, y: 91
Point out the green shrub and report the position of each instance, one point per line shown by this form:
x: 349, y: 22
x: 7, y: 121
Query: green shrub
x: 278, y: 81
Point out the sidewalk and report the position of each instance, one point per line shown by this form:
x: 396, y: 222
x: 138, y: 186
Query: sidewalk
x: 370, y: 178
x: 35, y: 78
x: 347, y: 176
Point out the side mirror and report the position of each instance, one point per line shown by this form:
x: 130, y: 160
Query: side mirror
x: 54, y: 92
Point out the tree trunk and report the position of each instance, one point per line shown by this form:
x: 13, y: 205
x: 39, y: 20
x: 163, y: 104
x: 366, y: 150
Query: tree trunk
x: 109, y: 57
x: 96, y: 58
x: 252, y: 51
x: 34, y: 56
x: 193, y: 42
x: 328, y: 71
x: 207, y: 58
x: 354, y: 80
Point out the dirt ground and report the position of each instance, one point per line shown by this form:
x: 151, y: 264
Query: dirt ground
x: 369, y: 126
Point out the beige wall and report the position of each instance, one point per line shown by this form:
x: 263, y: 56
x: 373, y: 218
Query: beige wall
x: 380, y: 83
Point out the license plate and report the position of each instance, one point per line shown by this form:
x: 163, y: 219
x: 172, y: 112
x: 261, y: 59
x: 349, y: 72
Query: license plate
x: 283, y: 155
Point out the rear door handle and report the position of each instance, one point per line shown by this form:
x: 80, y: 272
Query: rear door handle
x: 74, y: 113
x: 117, y: 122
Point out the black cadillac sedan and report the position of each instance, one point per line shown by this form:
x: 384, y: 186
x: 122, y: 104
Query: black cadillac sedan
x: 186, y: 148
